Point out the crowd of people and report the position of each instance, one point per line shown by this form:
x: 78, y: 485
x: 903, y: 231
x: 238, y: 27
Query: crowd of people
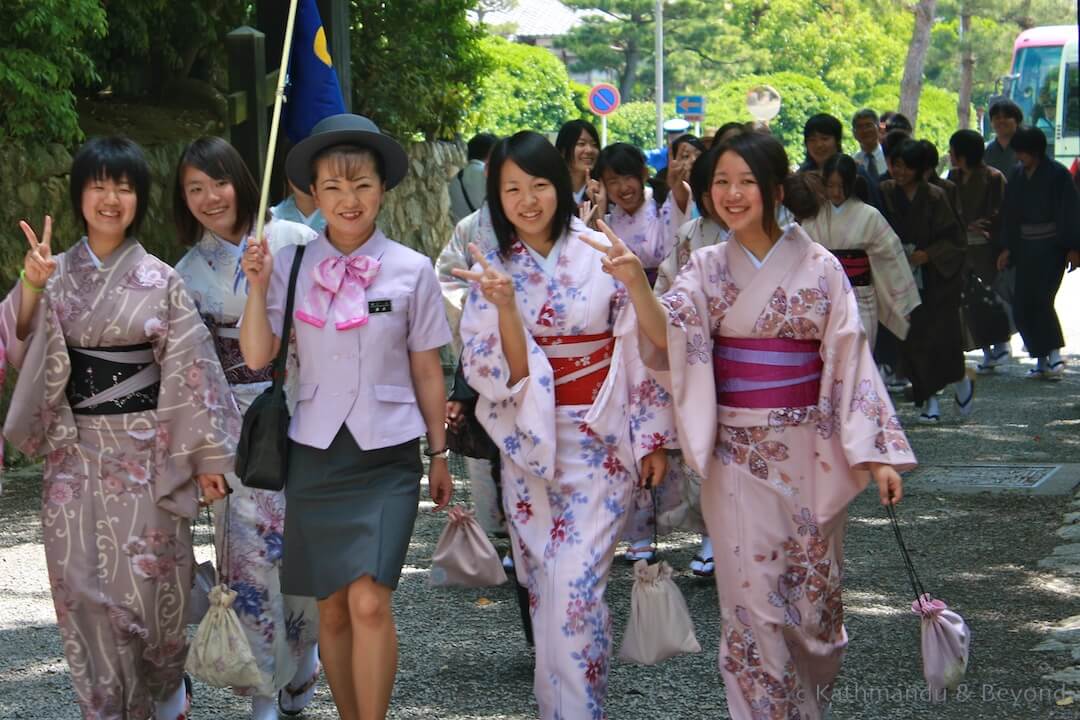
x: 710, y: 349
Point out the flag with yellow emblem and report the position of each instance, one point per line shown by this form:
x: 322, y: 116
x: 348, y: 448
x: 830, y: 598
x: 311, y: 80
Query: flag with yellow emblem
x: 313, y: 92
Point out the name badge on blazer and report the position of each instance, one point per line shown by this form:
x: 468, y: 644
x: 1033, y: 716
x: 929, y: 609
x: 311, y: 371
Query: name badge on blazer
x: 379, y: 306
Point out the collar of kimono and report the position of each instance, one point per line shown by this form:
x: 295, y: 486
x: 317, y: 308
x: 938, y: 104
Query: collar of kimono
x: 757, y: 286
x: 85, y: 259
x: 339, y: 286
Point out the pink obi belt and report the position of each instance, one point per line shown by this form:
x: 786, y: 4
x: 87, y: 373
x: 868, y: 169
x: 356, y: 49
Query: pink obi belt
x: 856, y: 266
x: 766, y: 372
x: 580, y: 363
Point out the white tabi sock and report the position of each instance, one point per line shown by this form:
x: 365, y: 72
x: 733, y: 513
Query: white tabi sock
x: 1055, y: 357
x: 172, y: 707
x: 263, y: 708
x: 963, y: 388
x: 932, y: 407
x: 307, y: 666
x: 1041, y: 364
x: 1000, y: 348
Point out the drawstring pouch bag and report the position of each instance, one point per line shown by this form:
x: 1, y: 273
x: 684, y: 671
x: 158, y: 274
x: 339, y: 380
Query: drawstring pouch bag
x: 464, y: 557
x: 659, y: 626
x: 220, y: 654
x: 946, y: 638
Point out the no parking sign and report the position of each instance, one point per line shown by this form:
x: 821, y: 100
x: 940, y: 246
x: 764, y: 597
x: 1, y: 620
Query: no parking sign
x: 604, y: 100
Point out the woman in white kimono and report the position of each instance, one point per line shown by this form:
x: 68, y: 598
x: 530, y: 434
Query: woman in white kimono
x: 620, y: 188
x: 767, y: 324
x: 551, y: 349
x: 120, y: 390
x: 863, y: 241
x: 215, y: 200
x: 579, y: 144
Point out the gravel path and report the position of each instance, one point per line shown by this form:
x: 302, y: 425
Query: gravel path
x: 463, y: 653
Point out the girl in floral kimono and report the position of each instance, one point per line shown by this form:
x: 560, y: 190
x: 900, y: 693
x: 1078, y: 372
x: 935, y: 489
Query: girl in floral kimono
x: 620, y: 184
x: 214, y: 204
x: 121, y: 390
x: 551, y: 349
x: 767, y: 323
x: 579, y: 144
x: 872, y: 256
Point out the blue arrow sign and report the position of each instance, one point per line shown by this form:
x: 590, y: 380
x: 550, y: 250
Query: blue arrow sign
x: 690, y: 105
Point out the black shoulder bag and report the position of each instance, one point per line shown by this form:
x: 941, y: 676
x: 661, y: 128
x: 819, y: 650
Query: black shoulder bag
x: 262, y: 455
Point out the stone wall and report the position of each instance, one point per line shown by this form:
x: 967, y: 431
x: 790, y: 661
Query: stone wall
x: 34, y: 181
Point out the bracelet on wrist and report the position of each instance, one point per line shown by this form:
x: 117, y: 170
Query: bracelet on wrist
x: 437, y: 453
x: 29, y: 285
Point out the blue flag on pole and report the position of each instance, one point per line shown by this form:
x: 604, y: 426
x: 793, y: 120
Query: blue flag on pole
x: 313, y: 91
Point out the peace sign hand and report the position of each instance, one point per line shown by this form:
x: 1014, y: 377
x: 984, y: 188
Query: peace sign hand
x: 618, y: 261
x: 39, y: 264
x: 497, y: 287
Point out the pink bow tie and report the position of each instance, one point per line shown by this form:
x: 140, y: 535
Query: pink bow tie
x: 339, y: 287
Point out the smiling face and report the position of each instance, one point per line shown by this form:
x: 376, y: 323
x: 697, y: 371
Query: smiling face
x: 626, y: 191
x: 736, y: 195
x: 866, y: 132
x: 585, y: 152
x: 108, y: 206
x: 528, y: 202
x: 820, y: 147
x: 349, y: 192
x: 212, y: 202
x: 905, y: 176
x: 1004, y: 127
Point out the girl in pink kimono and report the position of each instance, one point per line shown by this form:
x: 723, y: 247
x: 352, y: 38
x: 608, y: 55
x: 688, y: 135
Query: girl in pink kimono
x: 551, y: 349
x: 650, y: 233
x: 767, y: 323
x: 121, y: 391
x: 215, y: 200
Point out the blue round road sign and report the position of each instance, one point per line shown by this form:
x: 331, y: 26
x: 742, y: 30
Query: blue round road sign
x: 604, y: 98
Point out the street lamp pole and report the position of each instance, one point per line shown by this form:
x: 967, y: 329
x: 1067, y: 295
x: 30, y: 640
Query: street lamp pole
x: 659, y: 73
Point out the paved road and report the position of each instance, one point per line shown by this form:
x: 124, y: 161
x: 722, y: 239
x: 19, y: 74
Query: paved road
x: 463, y: 656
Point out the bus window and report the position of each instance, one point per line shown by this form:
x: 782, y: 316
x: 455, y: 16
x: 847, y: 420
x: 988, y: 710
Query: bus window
x: 1035, y: 87
x: 1070, y: 123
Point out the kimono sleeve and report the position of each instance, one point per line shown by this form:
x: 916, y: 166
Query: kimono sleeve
x: 660, y: 238
x: 199, y: 422
x: 1068, y: 217
x: 279, y: 286
x: 685, y: 370
x: 854, y: 402
x: 894, y: 284
x: 520, y: 418
x: 947, y: 239
x: 428, y: 328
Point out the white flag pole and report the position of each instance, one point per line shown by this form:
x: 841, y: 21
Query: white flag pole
x: 279, y: 97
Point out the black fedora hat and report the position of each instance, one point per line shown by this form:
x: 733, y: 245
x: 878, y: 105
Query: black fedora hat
x: 346, y: 129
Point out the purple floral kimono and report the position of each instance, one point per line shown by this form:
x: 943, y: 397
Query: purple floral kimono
x: 118, y: 490
x: 800, y: 410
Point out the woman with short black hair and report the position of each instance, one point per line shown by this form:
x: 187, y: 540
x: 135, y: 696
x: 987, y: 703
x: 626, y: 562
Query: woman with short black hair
x: 551, y: 349
x: 579, y: 144
x: 121, y: 390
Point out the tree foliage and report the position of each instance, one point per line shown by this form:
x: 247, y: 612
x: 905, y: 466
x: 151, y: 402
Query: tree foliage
x: 41, y: 59
x: 415, y: 65
x: 527, y: 88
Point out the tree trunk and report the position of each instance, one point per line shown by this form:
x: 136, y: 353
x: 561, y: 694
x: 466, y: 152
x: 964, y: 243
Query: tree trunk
x: 626, y: 83
x: 911, y: 85
x: 967, y: 69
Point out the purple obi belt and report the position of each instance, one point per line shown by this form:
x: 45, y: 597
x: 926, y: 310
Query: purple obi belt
x: 766, y: 372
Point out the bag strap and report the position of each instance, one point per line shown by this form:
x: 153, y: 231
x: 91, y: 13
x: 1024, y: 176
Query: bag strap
x: 464, y: 192
x: 278, y: 368
x: 913, y: 577
x: 655, y: 521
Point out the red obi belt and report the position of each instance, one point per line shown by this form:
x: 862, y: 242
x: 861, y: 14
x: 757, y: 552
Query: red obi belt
x: 766, y: 372
x: 856, y: 266
x: 580, y: 363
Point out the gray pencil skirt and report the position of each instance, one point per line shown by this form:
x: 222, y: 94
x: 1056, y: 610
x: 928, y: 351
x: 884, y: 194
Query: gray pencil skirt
x: 348, y: 513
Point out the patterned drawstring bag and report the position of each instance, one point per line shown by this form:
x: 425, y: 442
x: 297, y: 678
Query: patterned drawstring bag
x: 946, y: 638
x: 659, y: 626
x: 464, y: 557
x: 220, y: 654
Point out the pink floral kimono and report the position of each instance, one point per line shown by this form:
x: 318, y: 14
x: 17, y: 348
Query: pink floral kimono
x: 572, y: 433
x: 118, y: 489
x: 800, y: 410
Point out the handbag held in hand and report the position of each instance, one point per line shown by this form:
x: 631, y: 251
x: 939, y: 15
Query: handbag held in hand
x: 464, y: 557
x: 262, y: 454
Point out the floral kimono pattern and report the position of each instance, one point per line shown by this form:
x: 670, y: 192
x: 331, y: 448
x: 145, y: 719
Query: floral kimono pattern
x: 779, y: 479
x: 280, y: 628
x: 118, y: 490
x: 569, y: 470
